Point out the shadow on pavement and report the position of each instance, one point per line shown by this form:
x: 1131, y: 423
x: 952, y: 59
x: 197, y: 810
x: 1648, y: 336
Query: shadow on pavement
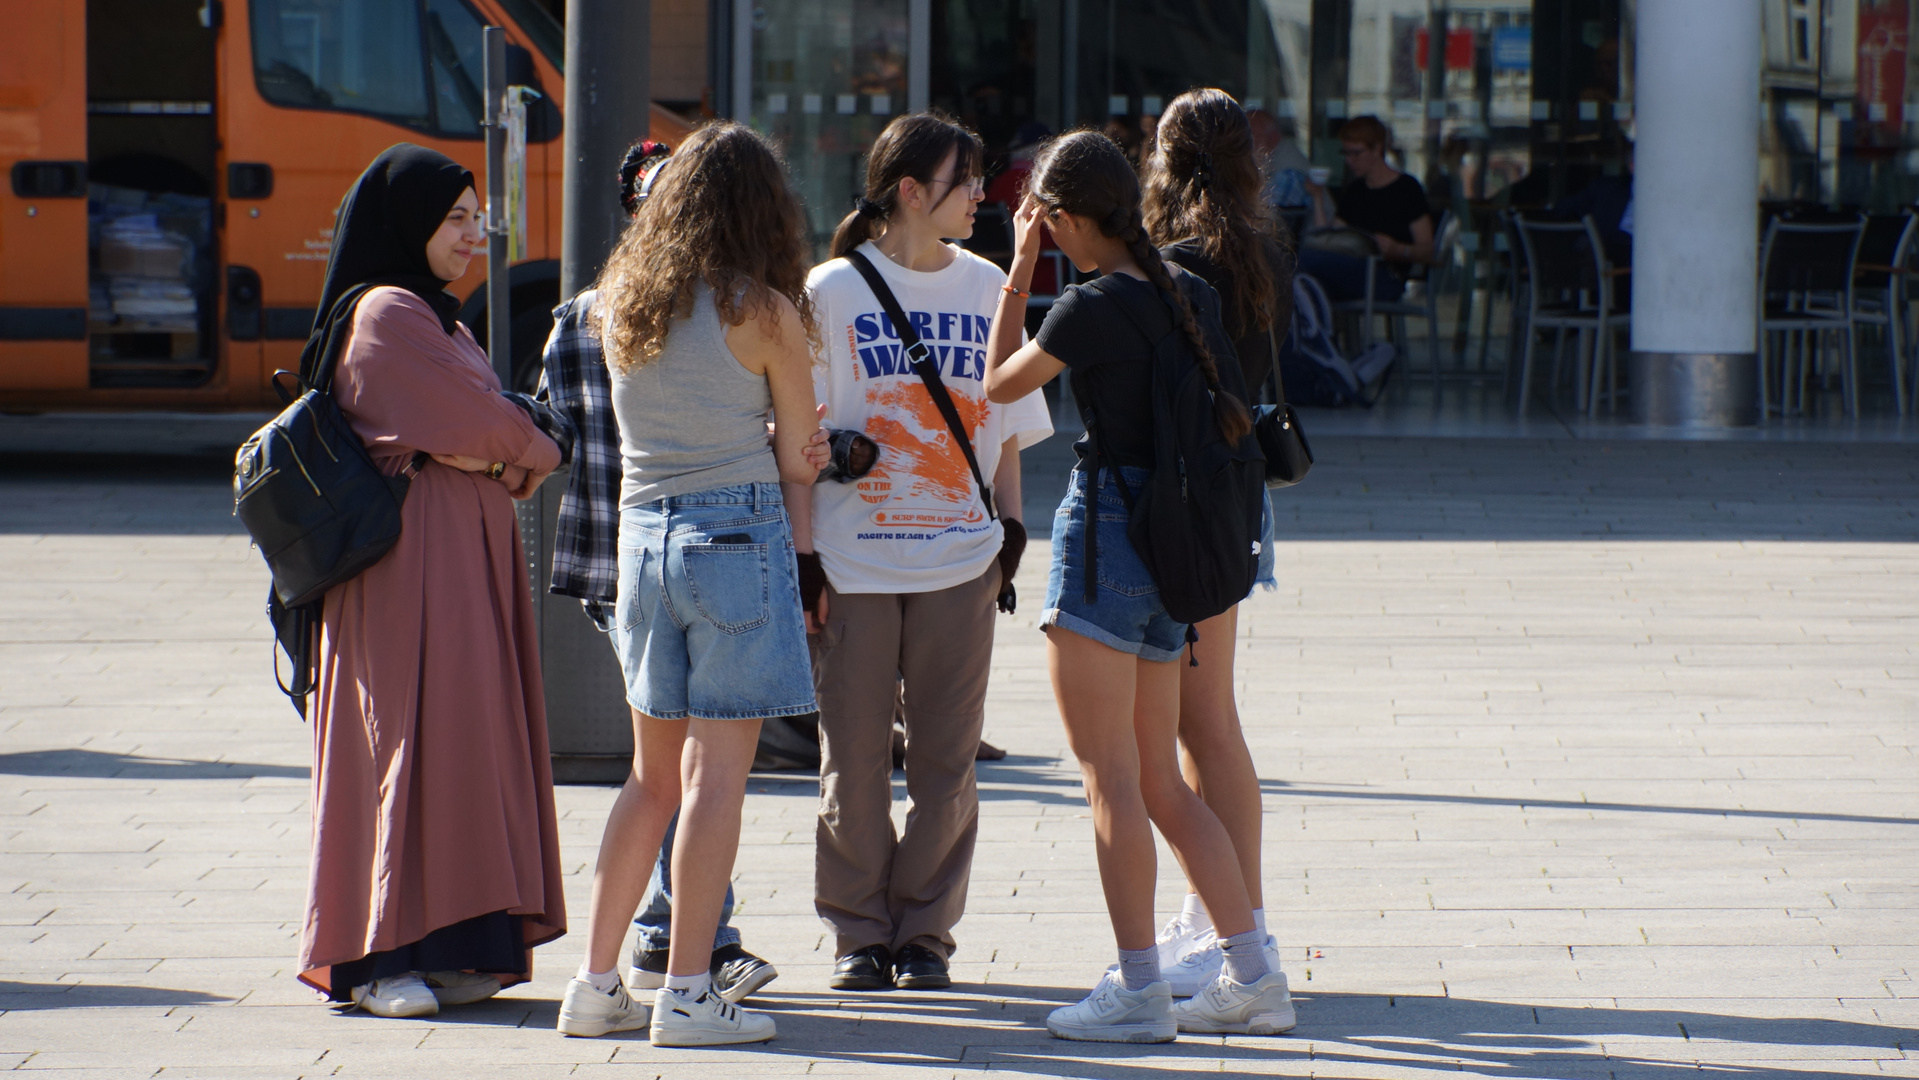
x: 98, y: 765
x: 1004, y: 1027
x: 24, y: 996
x: 1281, y: 787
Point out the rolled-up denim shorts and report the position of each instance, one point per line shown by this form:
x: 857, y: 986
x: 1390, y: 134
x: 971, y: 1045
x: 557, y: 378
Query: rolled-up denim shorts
x: 708, y: 622
x: 1125, y: 613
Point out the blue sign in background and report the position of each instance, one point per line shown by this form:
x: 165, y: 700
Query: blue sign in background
x: 1513, y: 48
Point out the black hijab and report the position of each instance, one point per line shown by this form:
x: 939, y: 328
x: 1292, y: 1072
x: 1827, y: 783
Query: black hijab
x: 394, y: 208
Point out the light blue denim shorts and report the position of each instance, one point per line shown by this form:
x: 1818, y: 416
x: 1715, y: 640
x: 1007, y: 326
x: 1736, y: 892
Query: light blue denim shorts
x: 708, y: 621
x: 1125, y: 613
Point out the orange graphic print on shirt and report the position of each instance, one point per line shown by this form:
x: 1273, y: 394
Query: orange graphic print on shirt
x: 923, y: 480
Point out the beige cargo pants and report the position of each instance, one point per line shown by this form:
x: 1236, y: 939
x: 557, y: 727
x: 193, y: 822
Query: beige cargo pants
x: 872, y: 886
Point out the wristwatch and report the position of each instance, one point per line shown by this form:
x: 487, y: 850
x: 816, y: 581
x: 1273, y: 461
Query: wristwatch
x: 496, y: 470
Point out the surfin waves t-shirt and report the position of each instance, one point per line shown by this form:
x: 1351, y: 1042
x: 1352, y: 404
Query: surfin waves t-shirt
x: 916, y: 522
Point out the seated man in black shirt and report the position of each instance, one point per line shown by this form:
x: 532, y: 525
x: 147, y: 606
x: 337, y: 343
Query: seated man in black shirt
x: 1382, y: 201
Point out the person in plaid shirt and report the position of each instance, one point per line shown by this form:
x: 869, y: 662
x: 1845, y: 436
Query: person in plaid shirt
x: 586, y: 567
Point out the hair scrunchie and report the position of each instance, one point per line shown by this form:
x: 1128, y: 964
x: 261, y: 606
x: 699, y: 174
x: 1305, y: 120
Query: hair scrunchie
x: 867, y: 208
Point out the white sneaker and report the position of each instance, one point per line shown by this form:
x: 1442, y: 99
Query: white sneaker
x: 1197, y: 968
x: 1226, y: 1007
x: 710, y: 1020
x: 460, y: 987
x: 589, y: 1012
x: 397, y: 996
x: 1178, y: 938
x: 1112, y: 1013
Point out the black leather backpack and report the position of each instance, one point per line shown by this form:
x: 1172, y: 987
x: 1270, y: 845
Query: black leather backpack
x: 317, y: 507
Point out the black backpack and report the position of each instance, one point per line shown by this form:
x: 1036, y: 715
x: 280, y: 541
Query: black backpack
x: 317, y: 507
x: 1196, y: 521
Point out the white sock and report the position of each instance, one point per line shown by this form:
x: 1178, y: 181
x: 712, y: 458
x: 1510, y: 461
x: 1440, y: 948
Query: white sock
x: 690, y: 987
x: 1259, y: 922
x: 1192, y: 911
x: 603, y: 981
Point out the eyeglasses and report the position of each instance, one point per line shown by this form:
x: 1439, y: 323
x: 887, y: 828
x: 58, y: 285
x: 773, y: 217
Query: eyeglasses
x: 976, y: 183
x: 1354, y: 151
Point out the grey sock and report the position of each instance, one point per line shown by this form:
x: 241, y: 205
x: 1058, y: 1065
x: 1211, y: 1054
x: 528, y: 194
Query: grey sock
x: 1245, y: 956
x: 1139, y: 968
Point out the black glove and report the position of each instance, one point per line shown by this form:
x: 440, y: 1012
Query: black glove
x: 1010, y: 551
x: 812, y: 582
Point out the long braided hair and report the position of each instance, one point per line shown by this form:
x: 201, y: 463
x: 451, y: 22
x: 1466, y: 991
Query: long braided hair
x: 1086, y: 174
x: 1202, y: 183
x: 911, y: 146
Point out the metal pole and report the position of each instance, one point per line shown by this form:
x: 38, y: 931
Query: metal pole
x: 499, y: 307
x: 607, y: 108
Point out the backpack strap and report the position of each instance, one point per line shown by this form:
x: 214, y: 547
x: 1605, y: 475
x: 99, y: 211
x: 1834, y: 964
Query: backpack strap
x: 923, y: 366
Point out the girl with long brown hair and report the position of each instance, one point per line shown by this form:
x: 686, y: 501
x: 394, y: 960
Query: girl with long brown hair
x: 1111, y: 648
x: 706, y: 324
x: 1203, y: 205
x: 904, y: 567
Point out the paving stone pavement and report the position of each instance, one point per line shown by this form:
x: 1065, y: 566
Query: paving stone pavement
x: 1580, y: 761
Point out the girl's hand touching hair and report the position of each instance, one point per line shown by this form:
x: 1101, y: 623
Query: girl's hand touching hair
x: 1028, y: 220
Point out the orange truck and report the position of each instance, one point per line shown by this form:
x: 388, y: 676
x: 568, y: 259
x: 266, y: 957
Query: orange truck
x: 173, y: 168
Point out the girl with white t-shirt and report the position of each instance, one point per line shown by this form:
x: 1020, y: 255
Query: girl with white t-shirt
x: 900, y: 569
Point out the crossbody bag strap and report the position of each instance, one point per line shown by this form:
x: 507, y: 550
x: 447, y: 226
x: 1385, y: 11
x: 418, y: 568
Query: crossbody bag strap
x: 923, y: 366
x: 1279, y: 381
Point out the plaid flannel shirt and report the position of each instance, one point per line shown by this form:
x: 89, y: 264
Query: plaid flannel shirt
x: 586, y: 547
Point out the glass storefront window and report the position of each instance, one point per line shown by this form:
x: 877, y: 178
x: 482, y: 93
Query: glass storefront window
x: 1838, y: 101
x: 827, y: 76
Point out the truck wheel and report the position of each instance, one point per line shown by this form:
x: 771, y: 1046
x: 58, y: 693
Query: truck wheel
x: 530, y: 330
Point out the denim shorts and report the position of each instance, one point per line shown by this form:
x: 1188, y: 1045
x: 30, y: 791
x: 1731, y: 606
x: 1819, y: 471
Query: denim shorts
x: 1125, y: 613
x: 708, y: 621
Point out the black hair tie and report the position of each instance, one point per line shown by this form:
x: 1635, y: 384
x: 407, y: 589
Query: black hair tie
x: 867, y: 208
x: 1203, y: 170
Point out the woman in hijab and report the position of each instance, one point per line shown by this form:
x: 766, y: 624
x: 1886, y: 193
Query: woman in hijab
x: 435, y: 850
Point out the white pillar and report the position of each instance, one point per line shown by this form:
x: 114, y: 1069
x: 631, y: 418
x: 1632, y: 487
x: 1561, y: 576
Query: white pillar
x: 1695, y: 210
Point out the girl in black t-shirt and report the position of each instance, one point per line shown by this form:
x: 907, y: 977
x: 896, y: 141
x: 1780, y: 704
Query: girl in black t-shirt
x: 1202, y: 202
x: 1112, y: 654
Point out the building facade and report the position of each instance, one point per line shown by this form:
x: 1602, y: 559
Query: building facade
x: 1517, y: 101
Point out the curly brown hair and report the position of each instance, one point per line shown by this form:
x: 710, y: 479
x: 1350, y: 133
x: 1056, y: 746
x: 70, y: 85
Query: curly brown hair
x: 1202, y: 183
x: 1085, y: 173
x: 720, y: 211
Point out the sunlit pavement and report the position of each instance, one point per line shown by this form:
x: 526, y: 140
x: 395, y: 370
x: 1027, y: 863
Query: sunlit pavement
x: 1582, y: 759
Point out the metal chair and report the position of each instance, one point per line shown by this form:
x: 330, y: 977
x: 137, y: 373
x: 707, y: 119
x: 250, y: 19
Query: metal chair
x: 1425, y: 305
x: 1879, y: 296
x: 1806, y: 295
x: 1570, y: 288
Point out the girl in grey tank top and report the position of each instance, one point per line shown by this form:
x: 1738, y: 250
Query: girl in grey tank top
x: 691, y: 419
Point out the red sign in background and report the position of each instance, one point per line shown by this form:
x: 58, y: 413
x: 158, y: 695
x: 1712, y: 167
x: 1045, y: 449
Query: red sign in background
x: 1883, y: 31
x: 1459, y: 47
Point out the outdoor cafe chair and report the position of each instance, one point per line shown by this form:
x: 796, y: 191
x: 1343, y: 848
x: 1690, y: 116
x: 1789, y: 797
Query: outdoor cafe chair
x: 1879, y: 296
x: 1424, y: 304
x: 1570, y: 286
x: 1806, y: 296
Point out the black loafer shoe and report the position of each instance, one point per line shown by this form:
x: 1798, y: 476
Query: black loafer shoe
x: 737, y: 973
x: 920, y: 968
x: 870, y: 968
